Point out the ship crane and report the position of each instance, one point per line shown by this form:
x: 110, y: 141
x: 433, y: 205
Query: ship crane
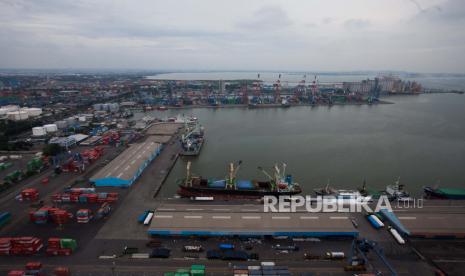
x: 232, y: 174
x: 277, y: 90
x: 188, y: 174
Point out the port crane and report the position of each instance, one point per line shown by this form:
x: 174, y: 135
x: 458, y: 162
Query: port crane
x: 361, y: 248
x: 231, y: 179
x: 277, y: 90
x: 277, y: 175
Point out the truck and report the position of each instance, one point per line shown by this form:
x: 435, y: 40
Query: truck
x: 148, y: 218
x: 61, y: 246
x: 141, y: 217
x: 103, y: 211
x: 35, y: 165
x: 14, y: 177
x: 30, y: 194
x: 84, y: 215
x: 193, y: 248
x: 375, y: 221
x: 333, y: 255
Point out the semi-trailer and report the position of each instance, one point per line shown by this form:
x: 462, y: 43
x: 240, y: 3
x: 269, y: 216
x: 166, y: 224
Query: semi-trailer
x: 375, y: 221
x: 148, y: 218
x: 396, y: 235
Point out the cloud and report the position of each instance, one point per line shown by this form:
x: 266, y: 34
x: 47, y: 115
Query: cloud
x: 357, y: 24
x: 267, y: 18
x: 241, y: 34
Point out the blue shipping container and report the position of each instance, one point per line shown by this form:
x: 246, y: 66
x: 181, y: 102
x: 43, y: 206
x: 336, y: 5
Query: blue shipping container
x: 244, y: 184
x: 226, y: 246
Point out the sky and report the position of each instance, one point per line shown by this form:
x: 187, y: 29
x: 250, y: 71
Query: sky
x: 275, y: 35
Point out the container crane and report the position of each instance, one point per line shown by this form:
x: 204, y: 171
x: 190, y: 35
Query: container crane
x: 314, y: 88
x: 245, y: 93
x: 277, y: 90
x: 257, y: 88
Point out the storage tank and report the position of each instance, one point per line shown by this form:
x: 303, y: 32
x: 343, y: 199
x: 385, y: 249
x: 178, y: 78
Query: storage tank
x: 33, y: 111
x: 51, y: 128
x: 61, y: 124
x: 38, y: 131
x: 8, y: 108
x: 17, y: 115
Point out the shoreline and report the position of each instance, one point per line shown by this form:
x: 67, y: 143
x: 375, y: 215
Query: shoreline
x: 261, y: 106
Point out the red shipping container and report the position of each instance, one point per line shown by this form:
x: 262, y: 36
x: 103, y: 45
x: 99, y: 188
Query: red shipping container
x: 61, y: 271
x: 33, y: 265
x: 53, y: 242
x: 16, y: 273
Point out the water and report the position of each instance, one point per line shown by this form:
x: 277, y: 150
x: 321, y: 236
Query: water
x: 433, y: 82
x: 419, y: 138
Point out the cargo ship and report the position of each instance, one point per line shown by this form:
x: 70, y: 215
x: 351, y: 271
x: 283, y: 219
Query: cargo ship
x: 192, y: 140
x: 444, y: 193
x: 231, y: 188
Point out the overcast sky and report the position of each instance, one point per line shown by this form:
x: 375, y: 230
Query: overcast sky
x: 319, y: 35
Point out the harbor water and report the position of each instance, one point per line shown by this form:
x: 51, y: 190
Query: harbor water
x: 420, y: 139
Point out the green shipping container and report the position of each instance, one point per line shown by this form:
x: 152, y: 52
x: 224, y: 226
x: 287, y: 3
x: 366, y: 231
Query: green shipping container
x: 182, y: 274
x: 197, y: 267
x: 168, y: 274
x: 68, y: 243
x: 197, y: 272
x: 182, y: 270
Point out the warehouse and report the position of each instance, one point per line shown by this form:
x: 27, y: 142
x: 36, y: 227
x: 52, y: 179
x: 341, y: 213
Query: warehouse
x: 128, y: 166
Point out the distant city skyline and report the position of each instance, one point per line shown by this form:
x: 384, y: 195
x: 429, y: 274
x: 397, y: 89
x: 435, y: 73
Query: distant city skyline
x: 424, y: 36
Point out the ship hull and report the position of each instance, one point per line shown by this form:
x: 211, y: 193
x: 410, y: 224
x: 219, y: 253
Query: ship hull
x: 435, y: 194
x: 185, y: 191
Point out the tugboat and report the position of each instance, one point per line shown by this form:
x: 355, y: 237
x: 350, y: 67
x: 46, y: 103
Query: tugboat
x: 231, y: 188
x: 397, y: 192
x: 340, y: 194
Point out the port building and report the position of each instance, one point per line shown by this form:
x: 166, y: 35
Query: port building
x: 129, y: 165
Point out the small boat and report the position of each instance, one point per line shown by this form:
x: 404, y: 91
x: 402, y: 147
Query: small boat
x: 340, y: 195
x: 397, y: 192
x: 162, y: 108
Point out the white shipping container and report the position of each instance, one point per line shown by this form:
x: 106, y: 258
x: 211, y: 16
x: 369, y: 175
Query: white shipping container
x: 51, y: 128
x: 148, y: 219
x: 38, y: 131
x: 396, y: 236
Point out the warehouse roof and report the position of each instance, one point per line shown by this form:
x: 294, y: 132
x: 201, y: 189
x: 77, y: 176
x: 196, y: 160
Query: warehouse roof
x: 125, y: 168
